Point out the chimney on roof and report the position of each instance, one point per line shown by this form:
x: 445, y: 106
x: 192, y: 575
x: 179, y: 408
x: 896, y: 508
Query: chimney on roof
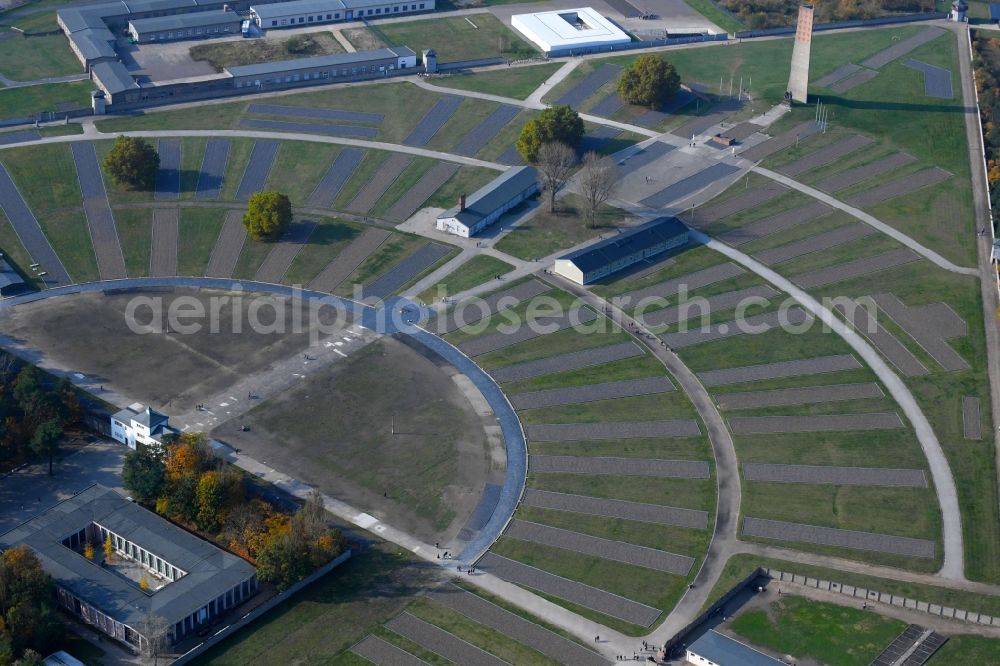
x: 461, y: 202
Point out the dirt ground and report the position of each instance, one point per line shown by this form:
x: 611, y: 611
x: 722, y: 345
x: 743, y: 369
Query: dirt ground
x: 388, y: 430
x: 362, y: 39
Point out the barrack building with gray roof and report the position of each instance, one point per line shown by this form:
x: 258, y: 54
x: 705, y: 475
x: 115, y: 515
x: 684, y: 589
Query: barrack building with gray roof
x: 189, y: 581
x: 489, y: 202
x: 277, y: 15
x: 198, y: 25
x: 340, y: 66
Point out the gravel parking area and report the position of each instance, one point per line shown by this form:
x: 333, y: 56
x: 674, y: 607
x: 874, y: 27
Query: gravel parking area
x: 805, y: 395
x: 776, y: 223
x: 691, y: 281
x: 384, y: 653
x: 440, y: 642
x: 845, y: 179
x: 163, y: 254
x: 937, y: 80
x: 413, y: 265
x: 7, y: 138
x: 168, y: 178
x: 582, y: 432
x: 828, y: 536
x: 797, y: 368
x: 763, y: 425
x: 257, y: 169
x: 753, y: 325
x: 646, y: 467
x: 688, y: 186
x: 435, y: 119
x: 618, y: 551
x: 333, y: 180
x: 855, y: 269
x: 613, y: 508
x: 901, y: 48
x: 485, y: 131
x: 854, y: 80
x: 780, y: 142
x: 311, y: 112
x: 348, y: 260
x: 647, y: 155
x: 824, y: 241
x: 369, y: 195
x: 748, y: 199
x: 867, y: 324
x: 696, y: 306
x: 898, y: 187
x: 228, y: 246
x: 840, y: 476
x: 589, y: 85
x: 103, y: 233
x: 836, y: 75
x: 971, y: 421
x: 516, y: 627
x: 352, y: 131
x: 414, y: 198
x: 563, y: 588
x: 579, y: 394
x: 827, y: 155
x: 213, y: 166
x: 28, y: 230
x: 931, y: 326
x: 471, y: 311
x: 700, y: 124
x: 608, y: 106
x: 566, y: 362
x: 276, y: 264
x: 526, y: 331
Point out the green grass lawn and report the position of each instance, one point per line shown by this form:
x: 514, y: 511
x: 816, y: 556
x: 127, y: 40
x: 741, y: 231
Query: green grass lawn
x: 298, y: 168
x: 965, y: 649
x: 326, y: 241
x: 465, y: 181
x: 135, y: 231
x: 720, y: 17
x: 30, y: 58
x: 392, y: 251
x: 20, y: 102
x: 630, y: 368
x: 199, y: 228
x: 362, y: 174
x: 30, y: 23
x: 545, y: 233
x: 469, y: 37
x: 683, y: 493
x: 399, y: 187
x: 14, y: 252
x: 472, y: 273
x: 236, y: 166
x: 470, y: 113
x: 192, y: 154
x: 251, y: 257
x: 211, y: 116
x: 516, y: 82
x: 671, y: 405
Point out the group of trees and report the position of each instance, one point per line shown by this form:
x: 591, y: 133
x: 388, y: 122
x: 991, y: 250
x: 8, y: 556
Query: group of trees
x: 761, y: 14
x: 986, y: 65
x: 29, y: 626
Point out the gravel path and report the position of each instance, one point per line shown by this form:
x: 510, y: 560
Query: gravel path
x: 618, y: 551
x: 30, y: 233
x: 333, y: 180
x: 898, y: 187
x: 688, y: 186
x: 414, y: 198
x: 931, y: 326
x: 163, y: 255
x: 593, y: 392
x: 699, y: 124
x: 690, y: 282
x: 311, y: 112
x: 440, y: 642
x: 9, y: 138
x: 348, y: 260
x: 257, y: 169
x: 747, y: 199
x: 828, y: 536
x: 589, y: 85
x: 840, y: 476
x: 702, y: 307
x: 487, y: 130
x: 516, y: 627
x: 643, y: 157
x: 351, y: 131
x: 824, y: 241
x: 826, y: 155
x: 572, y: 591
x: 470, y: 311
x: 384, y: 653
x: 228, y: 246
x: 213, y: 167
x: 901, y: 48
x: 613, y: 508
x: 526, y: 331
x: 566, y: 362
x: 804, y: 395
x: 797, y: 368
x: 754, y: 325
x: 780, y: 142
x: 369, y: 195
x: 971, y: 420
x: 845, y: 179
x: 584, y: 432
x: 608, y: 106
x: 836, y: 75
x: 413, y: 265
x: 645, y: 467
x: 811, y: 212
x: 855, y: 269
x: 103, y: 233
x: 937, y: 80
x: 866, y: 324
x: 435, y: 119
x: 168, y: 177
x: 763, y: 425
x: 276, y: 264
x: 854, y: 80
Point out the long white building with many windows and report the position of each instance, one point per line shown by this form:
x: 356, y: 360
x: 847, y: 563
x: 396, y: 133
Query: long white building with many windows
x: 305, y: 12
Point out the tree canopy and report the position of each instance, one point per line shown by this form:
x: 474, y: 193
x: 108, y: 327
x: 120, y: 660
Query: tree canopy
x: 28, y: 619
x: 133, y: 161
x: 143, y: 473
x: 268, y: 215
x: 557, y: 124
x: 649, y: 81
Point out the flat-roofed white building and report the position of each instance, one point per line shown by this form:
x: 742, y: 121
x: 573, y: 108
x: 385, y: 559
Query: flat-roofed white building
x: 569, y: 30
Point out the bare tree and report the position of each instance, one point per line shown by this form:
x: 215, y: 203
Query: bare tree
x: 598, y: 180
x: 154, y: 631
x: 556, y: 162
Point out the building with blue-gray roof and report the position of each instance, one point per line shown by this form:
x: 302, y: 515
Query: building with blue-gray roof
x: 715, y: 649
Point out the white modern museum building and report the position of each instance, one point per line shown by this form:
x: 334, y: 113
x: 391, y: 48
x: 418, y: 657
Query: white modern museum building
x: 569, y: 29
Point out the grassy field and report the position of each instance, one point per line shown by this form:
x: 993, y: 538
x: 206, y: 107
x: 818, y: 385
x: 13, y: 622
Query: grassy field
x: 326, y: 241
x: 28, y: 101
x: 298, y: 168
x: 720, y: 17
x: 472, y: 273
x: 465, y: 181
x: 516, y: 82
x: 29, y: 58
x: 545, y: 233
x: 253, y: 254
x: 965, y: 649
x: 249, y: 52
x: 236, y: 165
x: 389, y: 253
x: 199, y: 229
x: 135, y: 231
x: 469, y: 37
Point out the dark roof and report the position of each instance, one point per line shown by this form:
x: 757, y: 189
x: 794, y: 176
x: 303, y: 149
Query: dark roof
x: 211, y: 571
x: 995, y: 11
x: 8, y: 276
x: 624, y: 244
x: 94, y: 43
x: 335, y: 60
x: 493, y: 195
x: 182, y: 21
x: 140, y: 6
x: 113, y: 76
x: 296, y: 7
x: 142, y: 415
x: 726, y: 651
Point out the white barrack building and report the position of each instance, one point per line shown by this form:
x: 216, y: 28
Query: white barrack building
x: 569, y: 29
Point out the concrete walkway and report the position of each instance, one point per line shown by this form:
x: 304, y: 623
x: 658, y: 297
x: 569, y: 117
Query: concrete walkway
x: 11, y: 83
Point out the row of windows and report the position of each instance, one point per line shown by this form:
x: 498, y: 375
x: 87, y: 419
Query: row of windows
x: 215, y: 607
x: 318, y: 18
x: 141, y: 555
x: 314, y: 76
x: 191, y: 32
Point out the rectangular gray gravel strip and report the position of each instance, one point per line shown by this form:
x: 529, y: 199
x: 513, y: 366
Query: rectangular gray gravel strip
x: 311, y: 112
x: 867, y: 324
x: 691, y: 281
x: 742, y: 131
x: 30, y: 232
x: 898, y: 187
x: 841, y: 476
x: 618, y: 551
x: 578, y: 394
x: 748, y: 199
x: 646, y: 467
x: 163, y: 255
x: 487, y: 130
x: 103, y: 233
x: 348, y: 260
x: 805, y: 395
x: 753, y: 325
x: 824, y: 241
x: 608, y: 106
x: 776, y: 223
x: 827, y: 155
x: 526, y: 331
x: 654, y: 117
x: 213, y: 168
x: 393, y: 279
x: 841, y: 72
x: 693, y: 309
x: 168, y: 177
x: 228, y: 246
x: 854, y: 269
x: 567, y: 362
x: 441, y: 642
x: 511, y: 157
x: 901, y: 48
x: 854, y: 80
x: 971, y: 420
x: 414, y: 198
x: 351, y: 131
x: 579, y: 432
x: 470, y: 311
x: 613, y: 508
x: 589, y: 85
x: 687, y: 186
x: 276, y: 264
x: 429, y: 125
x: 644, y: 157
x: 384, y: 653
x: 383, y: 179
x: 930, y: 325
x: 761, y: 425
x: 521, y: 630
x: 572, y: 591
x: 828, y: 536
x: 937, y: 80
x: 257, y: 169
x: 699, y: 124
x: 780, y: 142
x: 333, y: 180
x: 88, y: 171
x: 594, y: 140
x: 797, y: 368
x: 19, y: 137
x: 845, y: 179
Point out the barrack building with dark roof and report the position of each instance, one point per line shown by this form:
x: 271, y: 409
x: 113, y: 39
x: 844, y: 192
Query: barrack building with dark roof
x: 489, y: 202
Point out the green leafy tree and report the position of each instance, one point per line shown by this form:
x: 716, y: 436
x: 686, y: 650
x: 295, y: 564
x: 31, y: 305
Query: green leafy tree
x: 210, y: 496
x: 649, y: 81
x: 45, y: 441
x: 132, y: 162
x: 557, y: 124
x: 27, y: 599
x: 143, y: 473
x: 268, y: 215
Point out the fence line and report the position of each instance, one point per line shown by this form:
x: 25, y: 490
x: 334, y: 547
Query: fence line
x: 838, y: 25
